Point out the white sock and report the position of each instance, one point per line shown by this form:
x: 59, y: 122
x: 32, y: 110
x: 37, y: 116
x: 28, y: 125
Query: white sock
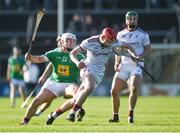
x: 55, y: 115
x: 115, y: 113
x: 72, y: 111
x: 38, y: 112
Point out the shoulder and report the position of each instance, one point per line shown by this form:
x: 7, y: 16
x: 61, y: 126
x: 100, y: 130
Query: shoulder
x: 93, y: 39
x: 10, y: 58
x: 141, y: 31
x: 53, y: 50
x: 87, y: 42
x: 51, y: 54
x: 21, y: 57
x: 122, y: 32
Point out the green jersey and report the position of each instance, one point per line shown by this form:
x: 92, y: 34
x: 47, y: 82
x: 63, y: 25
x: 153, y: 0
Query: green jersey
x: 64, y: 70
x: 16, y: 67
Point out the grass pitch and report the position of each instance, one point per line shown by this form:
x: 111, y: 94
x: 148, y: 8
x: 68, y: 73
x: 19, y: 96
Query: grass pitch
x: 152, y: 114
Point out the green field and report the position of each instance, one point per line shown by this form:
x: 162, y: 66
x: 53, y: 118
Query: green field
x: 152, y: 114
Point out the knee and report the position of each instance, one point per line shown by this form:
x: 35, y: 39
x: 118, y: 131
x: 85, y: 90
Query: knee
x: 114, y: 92
x: 134, y: 90
x: 72, y: 101
x: 89, y: 90
x: 36, y: 102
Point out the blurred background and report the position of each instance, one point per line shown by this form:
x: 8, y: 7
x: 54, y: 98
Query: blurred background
x: 160, y: 18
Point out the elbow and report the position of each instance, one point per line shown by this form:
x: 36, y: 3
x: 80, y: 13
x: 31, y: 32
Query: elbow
x: 149, y: 50
x: 72, y: 54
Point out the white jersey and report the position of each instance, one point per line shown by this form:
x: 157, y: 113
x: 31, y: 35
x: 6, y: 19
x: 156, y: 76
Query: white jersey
x: 31, y: 73
x: 97, y: 56
x: 137, y: 39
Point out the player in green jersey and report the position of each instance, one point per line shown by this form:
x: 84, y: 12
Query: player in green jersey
x: 15, y: 75
x: 64, y: 77
x: 62, y: 108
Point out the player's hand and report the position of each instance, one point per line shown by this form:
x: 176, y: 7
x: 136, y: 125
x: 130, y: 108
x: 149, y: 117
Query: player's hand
x: 137, y: 58
x: 81, y: 65
x: 28, y: 56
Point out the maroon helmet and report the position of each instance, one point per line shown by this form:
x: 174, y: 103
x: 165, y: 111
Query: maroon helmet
x: 109, y: 33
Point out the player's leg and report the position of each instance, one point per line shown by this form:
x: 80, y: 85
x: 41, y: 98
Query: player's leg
x: 88, y: 85
x: 42, y: 108
x: 60, y: 110
x: 81, y: 111
x: 22, y: 93
x: 119, y: 80
x: 43, y: 97
x: 133, y: 87
x: 70, y: 91
x: 13, y: 88
x: 117, y: 86
x: 80, y: 114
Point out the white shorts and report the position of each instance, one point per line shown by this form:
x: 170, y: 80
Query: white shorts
x: 18, y: 82
x: 126, y: 71
x: 86, y: 71
x: 56, y: 88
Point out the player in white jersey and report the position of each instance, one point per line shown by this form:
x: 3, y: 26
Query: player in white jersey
x: 98, y: 50
x: 128, y: 69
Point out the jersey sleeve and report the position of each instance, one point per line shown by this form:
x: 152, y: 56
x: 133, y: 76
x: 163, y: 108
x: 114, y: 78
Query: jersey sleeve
x: 118, y: 36
x: 48, y: 55
x: 83, y: 45
x: 146, y: 40
x: 117, y: 43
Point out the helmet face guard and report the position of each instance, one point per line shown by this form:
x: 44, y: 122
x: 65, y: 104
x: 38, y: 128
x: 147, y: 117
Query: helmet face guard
x: 68, y: 41
x: 131, y: 19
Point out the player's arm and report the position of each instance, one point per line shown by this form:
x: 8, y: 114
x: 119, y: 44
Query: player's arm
x: 147, y: 51
x: 47, y: 72
x: 127, y: 46
x: 35, y: 59
x: 146, y: 46
x: 130, y: 49
x: 117, y: 62
x: 73, y: 57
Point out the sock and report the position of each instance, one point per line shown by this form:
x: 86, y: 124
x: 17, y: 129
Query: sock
x: 116, y: 116
x: 57, y: 113
x: 131, y: 112
x: 76, y: 107
x: 38, y: 112
x: 26, y: 120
